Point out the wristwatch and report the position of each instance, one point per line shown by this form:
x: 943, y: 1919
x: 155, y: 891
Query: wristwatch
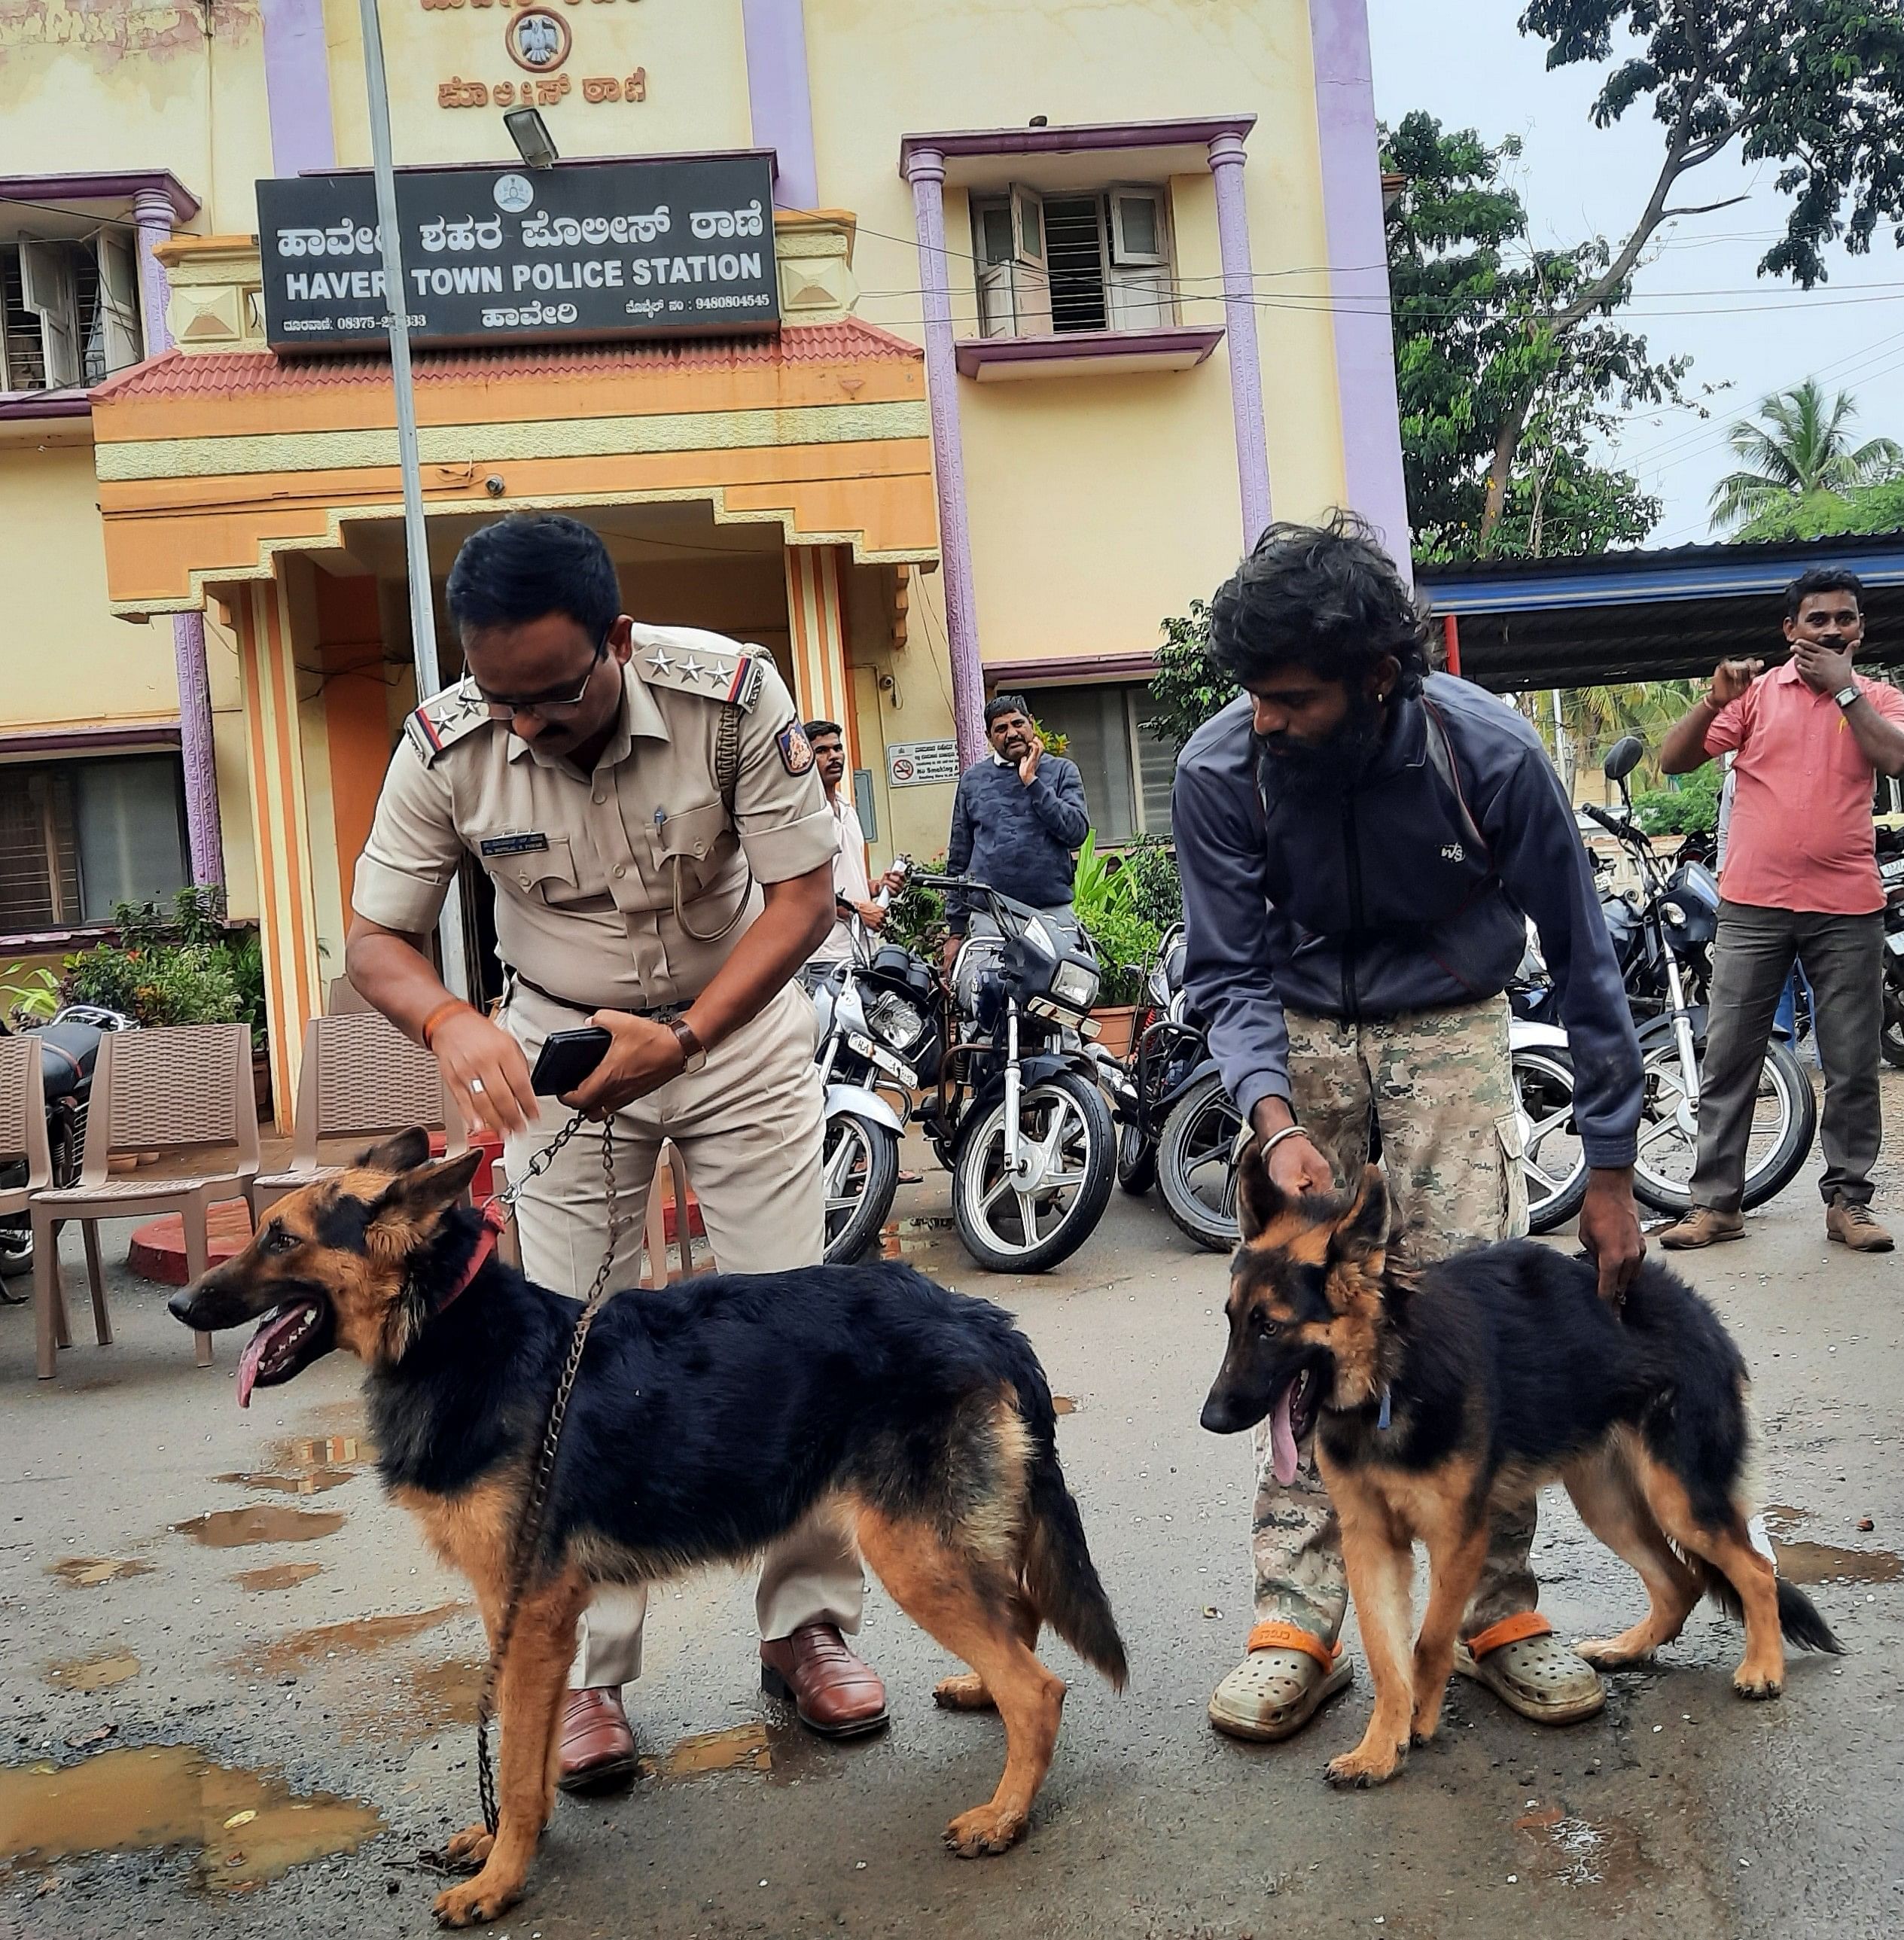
x: 694, y: 1053
x: 1846, y: 695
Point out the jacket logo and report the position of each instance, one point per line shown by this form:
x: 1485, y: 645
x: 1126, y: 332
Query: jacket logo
x: 1453, y: 852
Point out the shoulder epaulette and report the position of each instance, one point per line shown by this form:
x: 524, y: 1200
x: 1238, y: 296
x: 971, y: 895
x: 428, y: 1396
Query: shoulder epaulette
x: 446, y: 719
x: 733, y: 674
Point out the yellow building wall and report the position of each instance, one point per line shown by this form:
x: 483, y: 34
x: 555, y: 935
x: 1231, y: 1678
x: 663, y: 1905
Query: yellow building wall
x: 68, y: 663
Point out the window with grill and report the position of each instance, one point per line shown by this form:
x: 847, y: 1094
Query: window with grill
x: 68, y: 311
x: 1127, y: 770
x: 1049, y: 264
x: 77, y: 836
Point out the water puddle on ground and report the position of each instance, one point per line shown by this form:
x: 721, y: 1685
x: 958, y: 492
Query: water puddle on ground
x: 355, y: 1638
x: 278, y: 1576
x: 309, y: 1482
x: 93, y: 1673
x: 234, y: 1529
x: 247, y: 1826
x: 446, y: 1694
x: 1823, y: 1563
x: 84, y: 1572
x: 740, y: 1748
x: 315, y: 1451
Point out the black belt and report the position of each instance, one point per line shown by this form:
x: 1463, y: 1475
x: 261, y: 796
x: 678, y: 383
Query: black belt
x: 661, y: 1014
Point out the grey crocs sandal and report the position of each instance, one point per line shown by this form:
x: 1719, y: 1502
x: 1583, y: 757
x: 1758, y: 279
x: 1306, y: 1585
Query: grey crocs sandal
x: 1287, y: 1677
x: 1530, y: 1670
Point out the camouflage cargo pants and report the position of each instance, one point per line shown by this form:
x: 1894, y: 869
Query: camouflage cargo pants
x: 1438, y: 1085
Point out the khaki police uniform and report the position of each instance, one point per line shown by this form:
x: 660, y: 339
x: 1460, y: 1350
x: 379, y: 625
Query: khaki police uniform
x: 627, y: 890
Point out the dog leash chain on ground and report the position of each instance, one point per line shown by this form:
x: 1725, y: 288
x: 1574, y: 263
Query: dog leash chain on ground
x: 528, y: 1528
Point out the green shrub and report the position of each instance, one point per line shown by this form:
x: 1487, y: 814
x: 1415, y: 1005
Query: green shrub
x: 915, y: 916
x: 1691, y: 808
x: 29, y: 994
x: 184, y: 964
x: 1126, y: 944
x: 1156, y: 889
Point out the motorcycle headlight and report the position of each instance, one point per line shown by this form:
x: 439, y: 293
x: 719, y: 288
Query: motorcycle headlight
x: 895, y: 1020
x: 1074, y: 983
x: 1673, y: 915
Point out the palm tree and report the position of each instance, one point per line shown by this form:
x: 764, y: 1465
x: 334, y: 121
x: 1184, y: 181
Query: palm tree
x: 1801, y: 448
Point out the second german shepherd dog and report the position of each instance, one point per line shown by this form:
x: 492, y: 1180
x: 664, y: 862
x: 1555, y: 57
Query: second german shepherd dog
x: 707, y: 1420
x: 1436, y: 1393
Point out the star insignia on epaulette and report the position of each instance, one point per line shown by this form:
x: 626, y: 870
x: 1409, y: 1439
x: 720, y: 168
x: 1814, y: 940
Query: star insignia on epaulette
x: 658, y: 660
x: 692, y: 668
x: 718, y: 675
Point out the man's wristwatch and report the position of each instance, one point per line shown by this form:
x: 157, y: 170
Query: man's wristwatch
x: 694, y: 1053
x: 1847, y: 695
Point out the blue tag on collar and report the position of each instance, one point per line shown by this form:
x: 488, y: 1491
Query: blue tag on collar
x: 1382, y: 1420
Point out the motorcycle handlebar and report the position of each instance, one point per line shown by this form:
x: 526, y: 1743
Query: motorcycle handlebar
x: 1614, y: 824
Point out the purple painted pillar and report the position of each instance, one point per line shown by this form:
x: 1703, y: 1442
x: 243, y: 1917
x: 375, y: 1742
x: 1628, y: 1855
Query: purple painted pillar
x: 1240, y: 317
x: 926, y: 170
x: 1358, y: 277
x: 297, y: 86
x: 775, y: 32
x: 152, y: 214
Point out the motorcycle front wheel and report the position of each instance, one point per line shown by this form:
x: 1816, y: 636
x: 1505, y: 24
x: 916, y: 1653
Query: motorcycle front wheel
x: 1193, y: 1165
x: 1008, y: 1230
x: 859, y: 1166
x: 1784, y: 1121
x: 1553, y: 1161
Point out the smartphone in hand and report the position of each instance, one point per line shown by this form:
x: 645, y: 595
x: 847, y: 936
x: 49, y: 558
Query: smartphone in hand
x: 566, y: 1058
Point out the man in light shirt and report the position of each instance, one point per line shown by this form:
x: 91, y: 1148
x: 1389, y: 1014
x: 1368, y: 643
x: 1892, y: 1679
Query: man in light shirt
x: 853, y: 893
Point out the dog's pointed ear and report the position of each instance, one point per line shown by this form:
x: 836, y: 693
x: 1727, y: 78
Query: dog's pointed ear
x: 1260, y: 1201
x: 1362, y: 1230
x: 425, y: 1192
x: 403, y: 1153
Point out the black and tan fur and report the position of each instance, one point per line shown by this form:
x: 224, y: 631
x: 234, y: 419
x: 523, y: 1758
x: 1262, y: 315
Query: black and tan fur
x: 1503, y: 1367
x: 707, y: 1420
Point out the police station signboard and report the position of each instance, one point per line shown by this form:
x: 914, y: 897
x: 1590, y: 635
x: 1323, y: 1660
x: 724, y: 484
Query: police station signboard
x: 501, y: 255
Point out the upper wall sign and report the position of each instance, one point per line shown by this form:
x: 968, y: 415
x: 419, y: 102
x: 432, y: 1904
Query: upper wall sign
x: 498, y: 255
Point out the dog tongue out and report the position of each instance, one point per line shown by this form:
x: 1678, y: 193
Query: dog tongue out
x: 1282, y: 1434
x: 272, y: 1332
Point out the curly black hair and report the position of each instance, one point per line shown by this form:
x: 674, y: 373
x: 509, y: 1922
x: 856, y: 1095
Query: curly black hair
x: 1823, y: 579
x: 1325, y: 597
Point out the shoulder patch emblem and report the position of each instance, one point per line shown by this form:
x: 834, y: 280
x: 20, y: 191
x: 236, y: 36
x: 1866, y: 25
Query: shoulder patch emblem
x: 446, y: 719
x: 796, y: 751
x: 733, y: 675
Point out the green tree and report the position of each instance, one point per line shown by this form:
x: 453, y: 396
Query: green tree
x: 1800, y: 450
x: 1815, y: 85
x: 1867, y: 508
x: 1471, y: 296
x: 1188, y: 687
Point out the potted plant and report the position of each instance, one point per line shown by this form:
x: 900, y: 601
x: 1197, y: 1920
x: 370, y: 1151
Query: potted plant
x: 1103, y: 894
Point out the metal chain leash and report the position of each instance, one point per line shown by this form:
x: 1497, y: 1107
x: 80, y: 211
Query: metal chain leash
x: 535, y: 1507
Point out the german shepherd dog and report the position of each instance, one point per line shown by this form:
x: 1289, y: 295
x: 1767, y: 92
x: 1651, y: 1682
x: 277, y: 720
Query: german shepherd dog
x: 707, y: 1420
x: 1437, y: 1393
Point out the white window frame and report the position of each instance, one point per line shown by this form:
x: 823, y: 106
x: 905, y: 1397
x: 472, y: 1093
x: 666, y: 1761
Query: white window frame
x: 119, y: 309
x: 1014, y: 299
x: 49, y: 290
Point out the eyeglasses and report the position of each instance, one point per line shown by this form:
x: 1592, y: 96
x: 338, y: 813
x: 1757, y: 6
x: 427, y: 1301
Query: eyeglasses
x: 558, y: 707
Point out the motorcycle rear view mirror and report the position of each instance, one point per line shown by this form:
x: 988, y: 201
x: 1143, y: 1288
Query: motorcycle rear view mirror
x: 1623, y: 756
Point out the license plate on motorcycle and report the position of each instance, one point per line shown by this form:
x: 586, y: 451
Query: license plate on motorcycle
x: 877, y: 1054
x: 1894, y: 943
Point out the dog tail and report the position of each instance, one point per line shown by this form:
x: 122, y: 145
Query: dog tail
x: 1059, y: 1572
x: 1798, y: 1617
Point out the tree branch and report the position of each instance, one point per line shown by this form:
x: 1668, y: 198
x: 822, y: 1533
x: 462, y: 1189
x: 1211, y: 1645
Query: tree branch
x: 1705, y: 208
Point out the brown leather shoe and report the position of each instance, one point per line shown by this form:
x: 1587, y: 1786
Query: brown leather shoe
x: 835, y: 1693
x: 1700, y: 1227
x: 598, y: 1748
x: 1850, y: 1223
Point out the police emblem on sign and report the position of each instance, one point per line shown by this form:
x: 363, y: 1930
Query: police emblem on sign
x: 796, y: 751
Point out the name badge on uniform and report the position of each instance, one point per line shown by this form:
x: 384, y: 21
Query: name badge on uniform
x: 525, y: 844
x: 796, y: 751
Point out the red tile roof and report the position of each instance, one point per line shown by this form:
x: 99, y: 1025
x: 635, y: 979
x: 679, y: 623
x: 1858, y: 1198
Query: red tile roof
x: 224, y: 372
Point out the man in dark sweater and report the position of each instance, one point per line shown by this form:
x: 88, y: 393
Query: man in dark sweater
x: 1017, y: 816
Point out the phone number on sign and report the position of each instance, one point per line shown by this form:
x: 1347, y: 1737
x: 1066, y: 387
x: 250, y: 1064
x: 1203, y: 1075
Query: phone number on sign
x: 756, y: 301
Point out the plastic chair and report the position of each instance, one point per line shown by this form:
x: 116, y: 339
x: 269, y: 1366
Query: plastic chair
x: 361, y: 1077
x: 185, y: 1087
x: 23, y: 1130
x: 655, y: 1238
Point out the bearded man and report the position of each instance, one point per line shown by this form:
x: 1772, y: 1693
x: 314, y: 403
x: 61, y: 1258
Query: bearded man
x: 1362, y: 844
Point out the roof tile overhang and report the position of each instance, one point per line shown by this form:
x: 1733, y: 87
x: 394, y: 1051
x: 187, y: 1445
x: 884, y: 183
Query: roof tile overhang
x: 212, y: 462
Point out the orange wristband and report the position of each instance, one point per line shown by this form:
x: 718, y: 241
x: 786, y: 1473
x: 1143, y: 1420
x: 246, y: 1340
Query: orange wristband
x: 437, y: 1015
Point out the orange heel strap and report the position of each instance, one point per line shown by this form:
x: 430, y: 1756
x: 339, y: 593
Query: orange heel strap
x: 1509, y: 1630
x: 1277, y: 1636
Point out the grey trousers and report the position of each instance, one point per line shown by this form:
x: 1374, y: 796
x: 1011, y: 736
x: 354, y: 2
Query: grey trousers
x: 1751, y: 957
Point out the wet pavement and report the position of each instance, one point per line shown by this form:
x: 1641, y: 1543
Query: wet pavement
x: 224, y: 1711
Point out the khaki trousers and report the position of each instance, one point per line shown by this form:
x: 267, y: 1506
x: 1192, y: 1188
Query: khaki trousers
x: 1438, y: 1084
x: 749, y: 1127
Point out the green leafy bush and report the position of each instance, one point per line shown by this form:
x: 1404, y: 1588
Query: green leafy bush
x: 1104, y: 895
x: 184, y: 964
x: 29, y: 994
x: 915, y: 916
x: 1156, y: 889
x: 1691, y: 808
x: 1188, y: 687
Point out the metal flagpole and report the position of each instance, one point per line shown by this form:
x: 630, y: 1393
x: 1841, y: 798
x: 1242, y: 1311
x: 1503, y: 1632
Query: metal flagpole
x: 422, y: 606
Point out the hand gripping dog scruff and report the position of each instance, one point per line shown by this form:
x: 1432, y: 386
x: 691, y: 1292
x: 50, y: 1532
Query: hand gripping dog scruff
x: 1500, y: 1368
x: 707, y: 1419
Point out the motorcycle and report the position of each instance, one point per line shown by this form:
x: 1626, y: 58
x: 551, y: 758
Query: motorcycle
x: 69, y: 1047
x: 1016, y: 1114
x: 1663, y: 938
x: 1891, y: 869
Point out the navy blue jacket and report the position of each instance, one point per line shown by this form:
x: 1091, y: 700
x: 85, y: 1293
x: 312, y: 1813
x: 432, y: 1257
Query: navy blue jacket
x: 1018, y: 839
x: 1375, y: 903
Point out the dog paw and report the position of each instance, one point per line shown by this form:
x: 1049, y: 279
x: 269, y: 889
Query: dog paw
x: 982, y: 1830
x: 1756, y: 1684
x: 1609, y: 1653
x: 1356, y: 1770
x: 473, y: 1903
x: 964, y: 1693
x: 469, y: 1850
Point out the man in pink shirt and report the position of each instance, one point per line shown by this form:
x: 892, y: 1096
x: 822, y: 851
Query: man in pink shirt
x: 1800, y: 881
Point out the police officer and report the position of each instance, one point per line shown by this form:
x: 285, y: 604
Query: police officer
x: 645, y: 804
